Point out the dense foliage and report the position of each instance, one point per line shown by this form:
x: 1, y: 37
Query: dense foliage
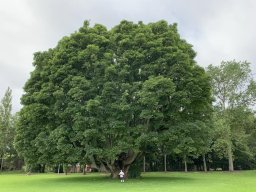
x: 106, y: 97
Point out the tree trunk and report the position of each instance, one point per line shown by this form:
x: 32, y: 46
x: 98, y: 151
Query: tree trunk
x: 42, y: 169
x: 59, y: 169
x: 115, y: 171
x: 185, y: 163
x: 230, y: 158
x: 18, y: 164
x: 84, y: 167
x: 144, y: 163
x: 2, y: 164
x: 124, y: 165
x: 114, y: 174
x: 165, y: 169
x: 66, y: 169
x: 126, y: 169
x: 204, y: 160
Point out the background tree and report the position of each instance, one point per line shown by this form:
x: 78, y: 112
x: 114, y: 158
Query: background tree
x: 192, y: 141
x: 7, y: 130
x: 233, y: 89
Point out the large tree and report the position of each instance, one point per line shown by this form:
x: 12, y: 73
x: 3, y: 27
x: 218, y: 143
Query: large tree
x: 102, y: 96
x: 234, y: 90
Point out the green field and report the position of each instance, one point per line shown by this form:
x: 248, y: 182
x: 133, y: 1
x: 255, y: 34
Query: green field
x: 243, y: 181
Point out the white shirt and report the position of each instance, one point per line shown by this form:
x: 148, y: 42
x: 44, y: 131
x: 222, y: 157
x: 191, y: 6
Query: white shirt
x: 121, y: 174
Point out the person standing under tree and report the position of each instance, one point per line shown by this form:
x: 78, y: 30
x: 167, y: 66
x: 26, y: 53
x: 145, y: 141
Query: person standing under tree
x: 121, y: 174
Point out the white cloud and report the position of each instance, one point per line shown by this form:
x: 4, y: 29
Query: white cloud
x: 219, y: 29
x: 228, y: 34
x: 15, y: 47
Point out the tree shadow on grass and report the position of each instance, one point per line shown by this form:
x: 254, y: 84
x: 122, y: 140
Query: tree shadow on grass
x: 106, y: 179
x: 79, y: 178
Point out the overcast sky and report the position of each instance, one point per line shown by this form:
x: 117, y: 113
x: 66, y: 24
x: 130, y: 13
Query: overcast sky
x: 218, y: 29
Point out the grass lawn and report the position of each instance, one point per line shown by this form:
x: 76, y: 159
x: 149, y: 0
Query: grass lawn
x: 242, y: 181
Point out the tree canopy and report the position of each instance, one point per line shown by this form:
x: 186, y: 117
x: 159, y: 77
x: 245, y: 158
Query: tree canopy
x: 104, y: 96
x: 235, y: 93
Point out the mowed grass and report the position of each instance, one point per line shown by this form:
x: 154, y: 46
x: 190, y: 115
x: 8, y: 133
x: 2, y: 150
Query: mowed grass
x: 240, y: 181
